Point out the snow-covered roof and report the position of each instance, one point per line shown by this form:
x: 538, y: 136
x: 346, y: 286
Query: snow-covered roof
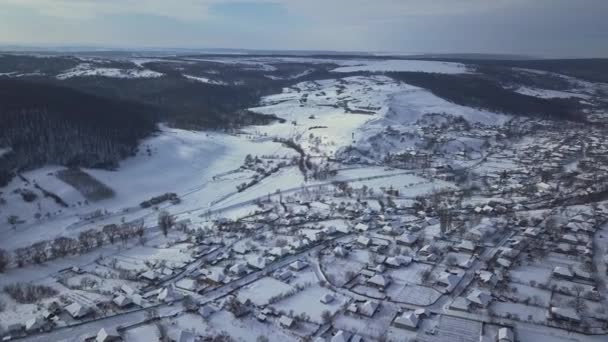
x: 562, y: 271
x: 286, y: 321
x: 298, y: 265
x: 379, y: 280
x: 106, y: 335
x: 565, y: 313
x: 407, y: 319
x: 369, y: 308
x: 327, y: 298
x: 76, y: 310
x: 122, y: 301
x: 505, y: 335
x: 480, y: 297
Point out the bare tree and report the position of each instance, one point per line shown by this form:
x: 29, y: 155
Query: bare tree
x: 111, y: 231
x: 165, y: 222
x: 5, y: 260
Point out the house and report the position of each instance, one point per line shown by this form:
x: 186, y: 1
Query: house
x: 352, y: 308
x: 426, y: 250
x: 562, y: 272
x: 205, y: 311
x: 257, y: 263
x: 406, y: 240
x: 487, y: 278
x: 340, y: 252
x: 327, y: 298
x: 107, y: 335
x: 466, y: 246
x: 505, y: 335
x: 168, y: 295
x: 216, y: 277
x: 369, y: 308
x: 182, y: 336
x: 278, y: 252
x: 398, y: 261
x: 532, y: 232
x: 34, y: 324
x: 360, y: 227
x: 283, y: 275
x: 408, y: 320
x: 389, y: 230
x: 128, y: 290
x: 298, y: 265
x: 341, y: 336
x: 379, y: 281
x: 479, y: 298
x: 460, y: 304
x: 76, y: 310
x: 238, y: 269
x: 150, y: 276
x: 503, y: 262
x: 448, y: 281
x: 364, y: 241
x: 564, y: 314
x: 122, y: 301
x: 286, y: 322
x: 261, y: 317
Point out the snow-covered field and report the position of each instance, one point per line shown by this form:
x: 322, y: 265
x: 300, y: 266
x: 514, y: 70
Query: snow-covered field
x: 406, y: 65
x: 88, y: 70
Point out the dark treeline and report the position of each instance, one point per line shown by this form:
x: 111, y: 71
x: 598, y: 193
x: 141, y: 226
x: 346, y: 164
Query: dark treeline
x: 45, y: 123
x: 183, y: 103
x: 480, y: 92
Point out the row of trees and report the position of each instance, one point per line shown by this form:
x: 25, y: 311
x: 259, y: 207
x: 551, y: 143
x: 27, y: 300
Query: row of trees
x: 63, y: 246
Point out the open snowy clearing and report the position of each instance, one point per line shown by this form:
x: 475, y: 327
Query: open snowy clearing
x: 406, y: 65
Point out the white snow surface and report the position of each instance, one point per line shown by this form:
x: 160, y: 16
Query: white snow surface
x: 549, y: 94
x: 204, y: 80
x: 406, y: 65
x: 87, y: 70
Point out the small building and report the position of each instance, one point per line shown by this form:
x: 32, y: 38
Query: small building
x: 122, y: 301
x: 150, y: 276
x: 562, y: 272
x: 286, y: 322
x: 380, y: 281
x: 564, y: 314
x: 76, y: 310
x: 206, y: 311
x: 34, y: 324
x: 278, y: 252
x: 466, y: 246
x: 480, y: 298
x: 460, y: 304
x: 408, y: 320
x: 505, y: 335
x: 360, y: 227
x: 107, y: 335
x: 340, y: 252
x: 257, y: 263
x: 298, y: 265
x: 369, y: 308
x: 364, y: 241
x: 327, y: 298
x: 238, y: 269
x: 341, y: 336
x: 406, y: 240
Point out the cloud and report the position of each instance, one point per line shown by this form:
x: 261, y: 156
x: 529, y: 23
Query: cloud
x: 199, y: 9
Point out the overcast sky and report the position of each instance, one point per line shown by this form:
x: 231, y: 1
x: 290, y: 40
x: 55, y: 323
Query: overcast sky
x: 551, y: 28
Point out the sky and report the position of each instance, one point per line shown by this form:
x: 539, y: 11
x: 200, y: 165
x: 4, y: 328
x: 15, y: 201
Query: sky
x: 547, y: 28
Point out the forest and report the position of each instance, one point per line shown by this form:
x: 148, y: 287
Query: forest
x: 478, y: 91
x: 50, y: 124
